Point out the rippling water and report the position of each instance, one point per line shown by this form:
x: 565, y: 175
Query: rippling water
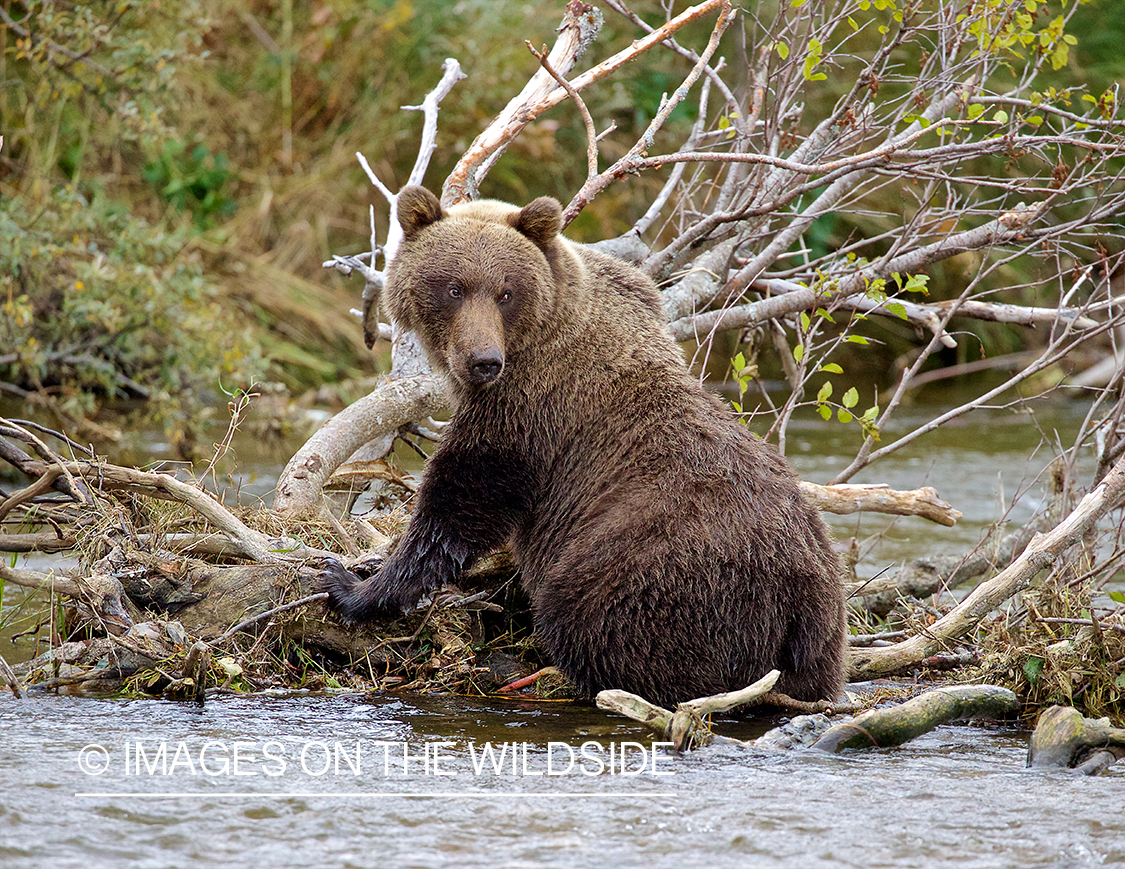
x: 956, y: 797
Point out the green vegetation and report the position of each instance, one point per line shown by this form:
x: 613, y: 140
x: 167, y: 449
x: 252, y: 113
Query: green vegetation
x: 173, y: 175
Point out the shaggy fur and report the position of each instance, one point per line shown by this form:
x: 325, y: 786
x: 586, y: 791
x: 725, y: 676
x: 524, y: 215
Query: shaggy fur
x: 665, y: 550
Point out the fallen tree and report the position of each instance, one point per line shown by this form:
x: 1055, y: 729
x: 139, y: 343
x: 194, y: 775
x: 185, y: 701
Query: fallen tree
x: 735, y: 245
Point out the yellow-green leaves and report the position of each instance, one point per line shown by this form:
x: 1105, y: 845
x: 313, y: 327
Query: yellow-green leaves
x: 845, y: 409
x: 1106, y: 103
x: 812, y: 61
x: 744, y: 372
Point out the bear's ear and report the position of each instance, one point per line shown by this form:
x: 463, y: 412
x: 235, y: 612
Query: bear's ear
x: 540, y: 220
x: 417, y: 208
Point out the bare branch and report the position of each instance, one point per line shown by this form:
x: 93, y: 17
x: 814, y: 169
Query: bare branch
x: 429, y: 107
x: 1043, y: 551
x: 579, y: 28
x: 383, y: 412
x: 880, y: 498
x: 598, y: 183
x: 587, y: 120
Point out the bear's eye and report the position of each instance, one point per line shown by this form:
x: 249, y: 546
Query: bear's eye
x: 507, y: 297
x: 455, y: 291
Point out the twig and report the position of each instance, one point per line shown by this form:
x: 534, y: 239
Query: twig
x: 1085, y: 622
x: 321, y: 595
x: 1052, y: 354
x: 47, y: 453
x: 686, y: 53
x: 587, y: 119
x: 633, y: 158
x: 37, y: 487
x: 74, y: 445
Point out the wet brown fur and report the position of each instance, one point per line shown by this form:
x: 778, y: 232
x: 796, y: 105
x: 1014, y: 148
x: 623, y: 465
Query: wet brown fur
x: 665, y: 550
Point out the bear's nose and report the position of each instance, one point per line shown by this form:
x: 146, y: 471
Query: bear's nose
x: 486, y: 366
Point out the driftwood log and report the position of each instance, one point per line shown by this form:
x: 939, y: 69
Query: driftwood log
x: 874, y: 728
x: 882, y: 728
x: 684, y: 728
x: 1064, y: 739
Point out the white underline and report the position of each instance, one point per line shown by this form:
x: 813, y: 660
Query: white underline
x: 376, y: 795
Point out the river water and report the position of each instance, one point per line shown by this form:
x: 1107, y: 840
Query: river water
x: 300, y: 780
x: 956, y: 797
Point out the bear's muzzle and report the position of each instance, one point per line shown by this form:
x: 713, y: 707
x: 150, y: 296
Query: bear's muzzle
x: 484, y: 367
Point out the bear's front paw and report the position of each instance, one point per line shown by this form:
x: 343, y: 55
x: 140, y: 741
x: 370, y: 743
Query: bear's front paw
x: 342, y: 586
x: 353, y: 598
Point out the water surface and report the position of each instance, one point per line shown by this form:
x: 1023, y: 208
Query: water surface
x: 956, y: 797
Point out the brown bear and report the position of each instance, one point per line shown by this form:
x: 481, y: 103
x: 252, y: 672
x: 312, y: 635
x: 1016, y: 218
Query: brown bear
x: 665, y: 550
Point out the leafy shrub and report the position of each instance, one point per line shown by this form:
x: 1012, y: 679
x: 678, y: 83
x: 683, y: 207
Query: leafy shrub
x: 99, y: 304
x: 194, y: 182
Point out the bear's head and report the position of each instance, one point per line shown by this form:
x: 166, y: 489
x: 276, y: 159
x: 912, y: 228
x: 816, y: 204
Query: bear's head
x: 477, y: 282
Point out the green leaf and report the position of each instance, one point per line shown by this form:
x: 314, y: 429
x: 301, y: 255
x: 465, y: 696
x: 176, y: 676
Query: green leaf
x: 1032, y: 667
x: 856, y: 339
x: 844, y: 416
x: 739, y: 361
x: 1001, y: 116
x: 799, y: 352
x: 832, y: 368
x: 917, y: 284
x: 782, y: 50
x: 825, y: 392
x: 851, y: 22
x: 871, y: 412
x: 851, y: 397
x: 1117, y: 596
x: 825, y: 412
x: 896, y: 308
x: 805, y: 321
x: 975, y: 111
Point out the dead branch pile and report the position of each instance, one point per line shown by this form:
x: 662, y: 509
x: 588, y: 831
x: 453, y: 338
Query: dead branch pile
x: 163, y: 567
